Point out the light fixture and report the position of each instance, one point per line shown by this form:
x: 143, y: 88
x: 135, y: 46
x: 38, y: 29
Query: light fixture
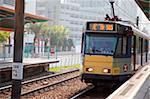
x: 105, y: 70
x: 89, y: 69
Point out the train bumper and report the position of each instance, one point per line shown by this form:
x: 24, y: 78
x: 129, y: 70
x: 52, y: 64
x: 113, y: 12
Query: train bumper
x: 97, y: 77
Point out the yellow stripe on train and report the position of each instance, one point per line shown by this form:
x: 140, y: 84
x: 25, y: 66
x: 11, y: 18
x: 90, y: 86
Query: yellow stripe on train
x: 99, y: 65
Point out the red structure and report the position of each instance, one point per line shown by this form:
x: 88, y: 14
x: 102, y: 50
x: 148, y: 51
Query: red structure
x: 7, y: 19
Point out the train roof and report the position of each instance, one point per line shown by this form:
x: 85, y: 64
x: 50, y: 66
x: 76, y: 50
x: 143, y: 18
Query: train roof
x: 129, y: 24
x: 135, y: 30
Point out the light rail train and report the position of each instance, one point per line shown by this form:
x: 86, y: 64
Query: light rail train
x: 112, y: 51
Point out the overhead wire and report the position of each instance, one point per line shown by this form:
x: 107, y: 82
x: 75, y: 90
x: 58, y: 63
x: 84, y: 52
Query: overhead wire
x: 123, y: 11
x: 130, y: 15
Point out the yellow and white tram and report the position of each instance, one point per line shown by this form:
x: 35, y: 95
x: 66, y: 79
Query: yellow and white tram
x: 112, y: 51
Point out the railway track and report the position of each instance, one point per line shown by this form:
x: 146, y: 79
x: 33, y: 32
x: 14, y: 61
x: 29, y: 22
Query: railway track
x: 82, y: 92
x: 96, y: 92
x: 42, y: 84
x: 93, y: 93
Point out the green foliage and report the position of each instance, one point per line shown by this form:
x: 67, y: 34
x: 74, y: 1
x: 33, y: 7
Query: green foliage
x: 39, y: 29
x: 56, y: 34
x: 4, y: 36
x: 60, y: 68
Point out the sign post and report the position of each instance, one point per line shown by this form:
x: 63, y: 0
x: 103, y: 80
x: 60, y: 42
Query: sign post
x: 17, y: 69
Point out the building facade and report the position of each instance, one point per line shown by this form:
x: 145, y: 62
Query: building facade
x: 30, y: 5
x: 69, y: 14
x: 7, y: 2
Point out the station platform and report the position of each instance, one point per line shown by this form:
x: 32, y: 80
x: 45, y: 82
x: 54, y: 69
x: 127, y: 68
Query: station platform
x: 27, y: 62
x: 32, y: 66
x: 137, y: 87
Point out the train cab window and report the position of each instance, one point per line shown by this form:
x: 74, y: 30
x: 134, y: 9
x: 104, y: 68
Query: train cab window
x: 100, y: 45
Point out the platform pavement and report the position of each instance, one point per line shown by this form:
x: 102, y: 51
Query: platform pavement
x: 27, y: 61
x: 137, y: 87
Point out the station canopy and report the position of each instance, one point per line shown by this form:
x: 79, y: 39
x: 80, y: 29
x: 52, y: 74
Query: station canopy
x: 7, y: 19
x: 145, y: 6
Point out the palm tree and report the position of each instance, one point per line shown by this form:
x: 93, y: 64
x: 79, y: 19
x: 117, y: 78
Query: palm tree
x: 40, y: 31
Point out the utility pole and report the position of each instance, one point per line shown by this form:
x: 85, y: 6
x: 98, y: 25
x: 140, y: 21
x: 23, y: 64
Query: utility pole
x: 17, y: 68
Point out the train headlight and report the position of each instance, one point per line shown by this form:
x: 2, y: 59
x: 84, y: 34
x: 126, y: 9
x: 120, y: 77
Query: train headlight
x: 89, y: 69
x: 105, y: 70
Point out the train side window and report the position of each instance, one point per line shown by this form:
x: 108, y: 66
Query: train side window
x: 139, y: 46
x: 121, y: 46
x: 124, y: 50
x: 133, y: 44
x: 118, y: 50
x: 145, y: 46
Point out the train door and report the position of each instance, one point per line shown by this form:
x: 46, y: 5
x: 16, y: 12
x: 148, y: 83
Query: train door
x: 141, y: 46
x: 145, y: 52
x: 138, y: 58
x: 139, y: 52
x: 133, y: 52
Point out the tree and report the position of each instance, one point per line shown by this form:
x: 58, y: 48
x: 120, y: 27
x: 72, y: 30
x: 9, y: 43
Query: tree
x: 4, y: 36
x: 58, y: 36
x: 40, y: 31
x: 54, y: 36
x: 36, y: 29
x: 70, y: 44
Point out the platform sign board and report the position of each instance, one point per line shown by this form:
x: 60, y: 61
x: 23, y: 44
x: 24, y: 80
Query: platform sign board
x: 17, y: 71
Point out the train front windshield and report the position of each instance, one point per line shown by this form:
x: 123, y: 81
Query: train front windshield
x: 100, y: 45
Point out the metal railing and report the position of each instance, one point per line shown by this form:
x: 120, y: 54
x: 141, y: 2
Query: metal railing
x: 66, y: 58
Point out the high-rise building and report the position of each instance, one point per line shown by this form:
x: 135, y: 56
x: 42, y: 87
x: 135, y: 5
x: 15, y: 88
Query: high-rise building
x: 127, y: 10
x: 69, y: 14
x: 8, y: 3
x: 30, y: 5
x: 74, y: 13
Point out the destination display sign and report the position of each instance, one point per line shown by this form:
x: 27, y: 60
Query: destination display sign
x: 100, y: 26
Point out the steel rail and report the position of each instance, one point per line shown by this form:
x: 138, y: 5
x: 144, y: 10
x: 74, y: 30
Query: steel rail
x: 82, y: 92
x: 9, y: 87
x: 48, y: 86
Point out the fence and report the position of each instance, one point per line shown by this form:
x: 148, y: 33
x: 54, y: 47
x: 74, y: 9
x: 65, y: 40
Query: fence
x: 30, y: 51
x: 67, y: 60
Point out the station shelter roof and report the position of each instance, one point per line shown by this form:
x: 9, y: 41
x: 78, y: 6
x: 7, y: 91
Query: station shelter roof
x: 145, y: 6
x: 7, y: 18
